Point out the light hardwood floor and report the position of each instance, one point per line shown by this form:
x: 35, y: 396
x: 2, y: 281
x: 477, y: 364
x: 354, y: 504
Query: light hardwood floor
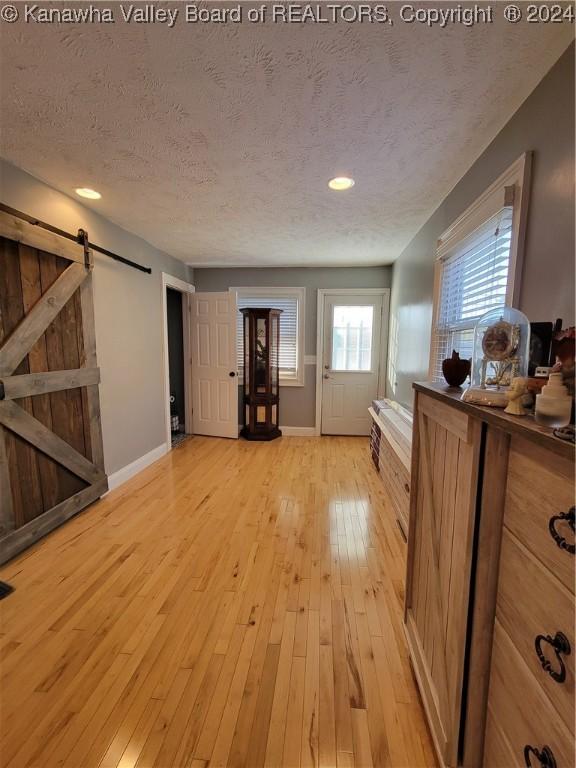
x: 236, y: 604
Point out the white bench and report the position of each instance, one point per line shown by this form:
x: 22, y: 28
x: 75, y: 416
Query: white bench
x: 391, y: 448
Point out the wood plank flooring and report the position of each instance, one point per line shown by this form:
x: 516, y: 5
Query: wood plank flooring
x: 236, y: 604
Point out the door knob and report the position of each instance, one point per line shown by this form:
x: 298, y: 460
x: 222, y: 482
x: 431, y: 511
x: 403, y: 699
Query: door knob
x: 232, y: 374
x: 326, y: 376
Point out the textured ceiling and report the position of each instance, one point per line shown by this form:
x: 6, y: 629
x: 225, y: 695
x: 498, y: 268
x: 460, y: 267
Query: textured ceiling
x: 214, y: 142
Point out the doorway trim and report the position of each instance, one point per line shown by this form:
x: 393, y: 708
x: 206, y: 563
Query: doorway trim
x: 322, y: 293
x: 186, y: 289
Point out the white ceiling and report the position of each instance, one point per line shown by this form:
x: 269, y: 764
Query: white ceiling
x: 215, y: 142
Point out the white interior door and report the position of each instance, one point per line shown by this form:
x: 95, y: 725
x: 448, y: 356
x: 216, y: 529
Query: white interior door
x: 214, y: 363
x: 351, y: 361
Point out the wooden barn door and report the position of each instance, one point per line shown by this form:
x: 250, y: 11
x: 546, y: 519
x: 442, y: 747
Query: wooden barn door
x: 445, y: 467
x: 51, y: 457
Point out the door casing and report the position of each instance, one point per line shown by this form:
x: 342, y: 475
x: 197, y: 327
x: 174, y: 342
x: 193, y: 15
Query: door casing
x: 186, y: 289
x: 322, y: 293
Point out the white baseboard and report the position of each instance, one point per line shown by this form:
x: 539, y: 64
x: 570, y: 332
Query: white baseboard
x: 124, y: 474
x: 298, y: 431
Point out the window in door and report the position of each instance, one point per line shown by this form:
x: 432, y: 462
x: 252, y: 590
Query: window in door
x: 352, y: 338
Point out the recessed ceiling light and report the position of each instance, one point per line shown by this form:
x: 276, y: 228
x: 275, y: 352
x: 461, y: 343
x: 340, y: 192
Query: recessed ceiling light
x: 340, y: 183
x: 91, y: 194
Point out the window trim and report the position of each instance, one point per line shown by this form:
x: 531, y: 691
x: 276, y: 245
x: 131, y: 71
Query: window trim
x: 300, y: 295
x: 483, y: 208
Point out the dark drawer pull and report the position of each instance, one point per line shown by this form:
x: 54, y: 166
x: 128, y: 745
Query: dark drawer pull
x: 545, y: 757
x: 560, y: 540
x: 560, y: 645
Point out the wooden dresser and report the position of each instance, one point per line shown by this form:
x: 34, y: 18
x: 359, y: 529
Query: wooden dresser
x: 490, y: 584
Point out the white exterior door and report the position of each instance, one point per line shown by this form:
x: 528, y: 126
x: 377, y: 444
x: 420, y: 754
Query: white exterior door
x: 351, y: 361
x: 214, y: 364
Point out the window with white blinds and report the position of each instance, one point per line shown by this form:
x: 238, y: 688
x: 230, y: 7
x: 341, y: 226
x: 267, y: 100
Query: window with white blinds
x: 291, y: 302
x: 474, y: 276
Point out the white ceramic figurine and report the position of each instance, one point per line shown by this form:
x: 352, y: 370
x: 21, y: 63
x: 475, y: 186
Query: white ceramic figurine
x: 514, y: 396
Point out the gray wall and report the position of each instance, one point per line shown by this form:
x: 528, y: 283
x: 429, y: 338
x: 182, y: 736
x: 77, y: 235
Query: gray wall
x: 128, y: 315
x: 298, y: 404
x: 544, y: 124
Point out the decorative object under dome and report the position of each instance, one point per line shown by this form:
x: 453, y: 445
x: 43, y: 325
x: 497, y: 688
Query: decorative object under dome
x: 261, y: 392
x: 501, y: 353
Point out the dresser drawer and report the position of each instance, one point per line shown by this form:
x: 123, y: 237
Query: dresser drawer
x: 517, y: 703
x: 533, y: 604
x: 541, y: 488
x: 397, y: 481
x: 497, y: 751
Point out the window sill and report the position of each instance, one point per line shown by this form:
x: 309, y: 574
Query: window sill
x: 291, y: 383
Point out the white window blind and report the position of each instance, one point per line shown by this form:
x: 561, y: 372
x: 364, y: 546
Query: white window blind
x: 288, y: 329
x: 473, y: 279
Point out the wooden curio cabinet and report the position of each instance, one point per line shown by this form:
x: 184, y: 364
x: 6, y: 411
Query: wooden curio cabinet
x: 261, y: 373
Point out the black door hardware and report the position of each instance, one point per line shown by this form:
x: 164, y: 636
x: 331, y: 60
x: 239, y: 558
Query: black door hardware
x: 560, y: 540
x: 560, y: 646
x: 81, y: 237
x: 545, y: 757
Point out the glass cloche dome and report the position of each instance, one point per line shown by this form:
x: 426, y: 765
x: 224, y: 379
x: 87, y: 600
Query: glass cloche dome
x: 500, y: 354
